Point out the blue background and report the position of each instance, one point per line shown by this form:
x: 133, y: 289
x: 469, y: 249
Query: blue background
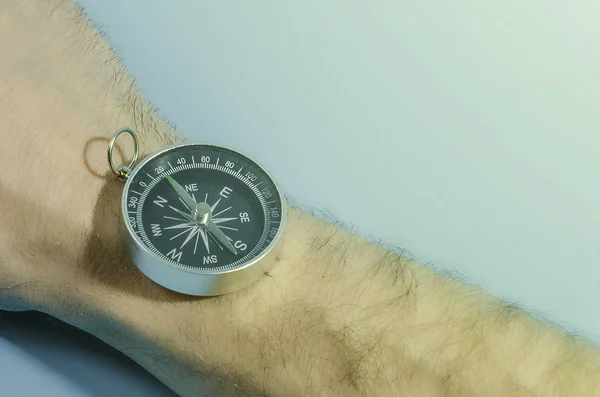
x: 467, y: 132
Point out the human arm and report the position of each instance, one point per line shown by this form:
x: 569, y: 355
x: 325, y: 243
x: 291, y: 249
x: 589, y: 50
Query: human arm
x: 340, y: 316
x: 337, y: 315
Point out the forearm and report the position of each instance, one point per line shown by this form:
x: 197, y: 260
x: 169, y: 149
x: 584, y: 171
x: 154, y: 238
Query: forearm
x: 341, y: 316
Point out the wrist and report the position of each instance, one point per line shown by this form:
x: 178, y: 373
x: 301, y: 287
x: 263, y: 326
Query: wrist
x: 320, y: 321
x: 308, y: 299
x: 146, y: 321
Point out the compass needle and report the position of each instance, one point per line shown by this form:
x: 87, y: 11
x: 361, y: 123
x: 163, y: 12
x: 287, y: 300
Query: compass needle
x: 221, y: 237
x: 184, y: 203
x: 184, y: 196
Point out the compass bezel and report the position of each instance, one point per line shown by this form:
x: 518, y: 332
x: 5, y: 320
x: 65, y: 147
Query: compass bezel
x: 198, y: 281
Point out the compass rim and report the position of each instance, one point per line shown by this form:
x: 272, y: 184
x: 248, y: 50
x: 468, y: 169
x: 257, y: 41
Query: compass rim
x: 148, y: 259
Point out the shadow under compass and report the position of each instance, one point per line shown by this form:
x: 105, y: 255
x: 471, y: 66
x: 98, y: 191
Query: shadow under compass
x: 106, y: 256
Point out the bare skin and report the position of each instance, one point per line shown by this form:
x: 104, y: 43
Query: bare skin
x: 336, y: 316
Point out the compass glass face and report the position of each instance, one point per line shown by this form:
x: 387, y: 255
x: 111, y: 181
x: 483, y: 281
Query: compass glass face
x: 203, y: 207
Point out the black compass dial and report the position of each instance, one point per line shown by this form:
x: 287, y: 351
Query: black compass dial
x: 203, y: 207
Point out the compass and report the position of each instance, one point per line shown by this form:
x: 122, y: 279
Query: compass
x: 200, y: 217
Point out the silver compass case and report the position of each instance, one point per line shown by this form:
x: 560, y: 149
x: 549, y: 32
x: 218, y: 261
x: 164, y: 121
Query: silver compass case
x: 200, y: 218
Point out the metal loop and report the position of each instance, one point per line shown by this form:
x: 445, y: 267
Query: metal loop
x: 123, y: 171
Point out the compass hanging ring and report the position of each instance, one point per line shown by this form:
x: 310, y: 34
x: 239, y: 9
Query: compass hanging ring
x: 123, y: 171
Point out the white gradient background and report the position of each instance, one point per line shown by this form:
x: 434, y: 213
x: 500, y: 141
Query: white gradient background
x: 467, y: 132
